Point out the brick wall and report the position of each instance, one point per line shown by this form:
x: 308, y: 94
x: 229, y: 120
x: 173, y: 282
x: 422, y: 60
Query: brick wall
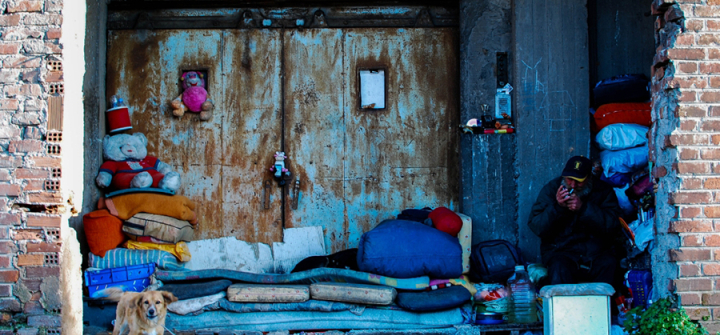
x: 31, y: 86
x: 686, y: 153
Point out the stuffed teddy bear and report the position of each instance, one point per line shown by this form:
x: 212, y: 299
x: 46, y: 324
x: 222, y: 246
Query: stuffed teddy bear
x: 194, y: 97
x: 127, y: 165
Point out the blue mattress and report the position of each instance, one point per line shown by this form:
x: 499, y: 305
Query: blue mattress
x: 371, y: 318
x: 303, y: 277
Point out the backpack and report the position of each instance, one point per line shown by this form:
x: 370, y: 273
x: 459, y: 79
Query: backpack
x: 494, y: 261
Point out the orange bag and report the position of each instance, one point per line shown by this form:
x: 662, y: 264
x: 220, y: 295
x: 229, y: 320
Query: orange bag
x: 630, y: 112
x: 103, y: 231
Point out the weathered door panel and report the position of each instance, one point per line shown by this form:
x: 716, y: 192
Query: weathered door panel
x: 405, y: 156
x: 252, y: 133
x: 315, y: 130
x: 222, y: 161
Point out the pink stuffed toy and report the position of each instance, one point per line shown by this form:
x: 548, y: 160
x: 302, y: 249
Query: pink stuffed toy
x: 194, y: 97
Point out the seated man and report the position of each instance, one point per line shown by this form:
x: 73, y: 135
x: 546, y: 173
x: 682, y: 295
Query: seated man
x: 576, y: 218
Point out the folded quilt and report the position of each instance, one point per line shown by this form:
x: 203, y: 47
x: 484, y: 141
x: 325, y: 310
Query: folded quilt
x: 124, y: 257
x: 127, y: 205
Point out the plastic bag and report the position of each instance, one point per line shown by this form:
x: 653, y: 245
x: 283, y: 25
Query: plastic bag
x: 490, y: 292
x: 621, y: 136
x: 179, y: 250
x: 624, y: 161
x: 643, y: 232
x: 623, y: 200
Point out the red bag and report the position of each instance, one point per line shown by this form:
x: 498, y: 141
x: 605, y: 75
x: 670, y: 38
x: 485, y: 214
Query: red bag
x: 637, y: 113
x: 446, y: 220
x: 103, y: 231
x: 639, y: 188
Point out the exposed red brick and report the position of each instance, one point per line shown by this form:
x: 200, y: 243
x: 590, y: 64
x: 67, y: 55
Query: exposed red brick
x: 710, y: 126
x: 712, y: 240
x: 697, y: 226
x: 10, y: 219
x: 8, y: 276
x: 9, y: 48
x: 689, y: 270
x: 43, y: 221
x: 9, y: 20
x: 22, y: 62
x: 45, y: 198
x: 690, y: 212
x: 5, y: 261
x: 689, y: 139
x: 712, y: 212
x: 56, y: 76
x: 53, y: 34
x: 687, y: 96
x: 689, y: 299
x: 685, y: 40
x: 690, y: 198
x: 707, y: 11
x: 25, y: 173
x: 27, y: 234
x: 714, y: 82
x: 710, y: 97
x: 9, y: 104
x: 712, y: 183
x: 691, y: 183
x: 713, y: 54
x: 7, y: 247
x: 25, y: 146
x: 43, y: 247
x: 694, y: 284
x: 43, y: 161
x: 714, y: 111
x: 709, y: 68
x: 34, y: 186
x: 25, y: 6
x: 42, y: 272
x: 686, y: 54
x: 693, y: 167
x: 688, y: 125
x: 711, y: 269
x: 30, y: 260
x: 689, y: 153
x: 9, y: 190
x: 696, y: 25
x: 687, y: 67
x: 685, y: 255
x: 691, y: 241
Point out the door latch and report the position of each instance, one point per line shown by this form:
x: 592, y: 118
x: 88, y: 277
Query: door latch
x: 296, y: 194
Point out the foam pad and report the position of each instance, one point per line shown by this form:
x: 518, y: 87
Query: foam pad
x: 189, y: 291
x: 353, y: 293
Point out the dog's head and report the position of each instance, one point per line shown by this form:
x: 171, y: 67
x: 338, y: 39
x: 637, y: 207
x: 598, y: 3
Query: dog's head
x: 153, y: 304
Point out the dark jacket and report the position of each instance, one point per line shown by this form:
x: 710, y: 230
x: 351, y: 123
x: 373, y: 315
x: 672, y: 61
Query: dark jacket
x: 581, y: 235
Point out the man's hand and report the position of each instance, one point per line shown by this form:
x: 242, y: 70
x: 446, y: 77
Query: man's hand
x: 562, y: 196
x: 574, y: 203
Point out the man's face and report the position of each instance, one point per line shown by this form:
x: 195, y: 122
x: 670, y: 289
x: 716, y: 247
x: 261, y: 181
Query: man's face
x: 574, y: 184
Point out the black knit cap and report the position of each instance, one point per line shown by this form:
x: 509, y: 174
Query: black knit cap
x: 578, y: 168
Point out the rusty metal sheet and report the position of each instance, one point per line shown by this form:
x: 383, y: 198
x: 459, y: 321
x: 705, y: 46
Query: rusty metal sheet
x: 222, y: 161
x: 407, y: 154
x: 315, y: 130
x: 251, y: 134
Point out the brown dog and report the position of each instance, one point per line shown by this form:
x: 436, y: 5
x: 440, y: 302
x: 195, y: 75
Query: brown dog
x: 142, y: 313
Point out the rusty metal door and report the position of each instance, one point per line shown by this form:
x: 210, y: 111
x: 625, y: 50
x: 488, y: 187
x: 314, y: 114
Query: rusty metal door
x: 359, y: 166
x: 223, y: 162
x: 298, y: 90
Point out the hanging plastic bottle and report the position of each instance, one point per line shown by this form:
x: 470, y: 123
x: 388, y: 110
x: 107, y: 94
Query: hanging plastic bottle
x: 522, y: 297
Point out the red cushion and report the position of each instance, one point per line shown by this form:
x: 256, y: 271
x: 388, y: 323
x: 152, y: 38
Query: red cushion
x: 103, y: 231
x: 631, y: 112
x: 446, y: 220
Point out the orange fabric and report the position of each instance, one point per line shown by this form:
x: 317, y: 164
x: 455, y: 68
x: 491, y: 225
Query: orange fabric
x: 630, y: 112
x: 103, y: 231
x: 176, y: 206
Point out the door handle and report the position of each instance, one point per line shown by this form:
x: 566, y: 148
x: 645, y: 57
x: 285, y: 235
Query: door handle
x: 296, y: 193
x: 266, y: 194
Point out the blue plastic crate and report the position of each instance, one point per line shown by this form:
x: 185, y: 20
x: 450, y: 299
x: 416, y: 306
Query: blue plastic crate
x: 640, y: 283
x: 128, y: 278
